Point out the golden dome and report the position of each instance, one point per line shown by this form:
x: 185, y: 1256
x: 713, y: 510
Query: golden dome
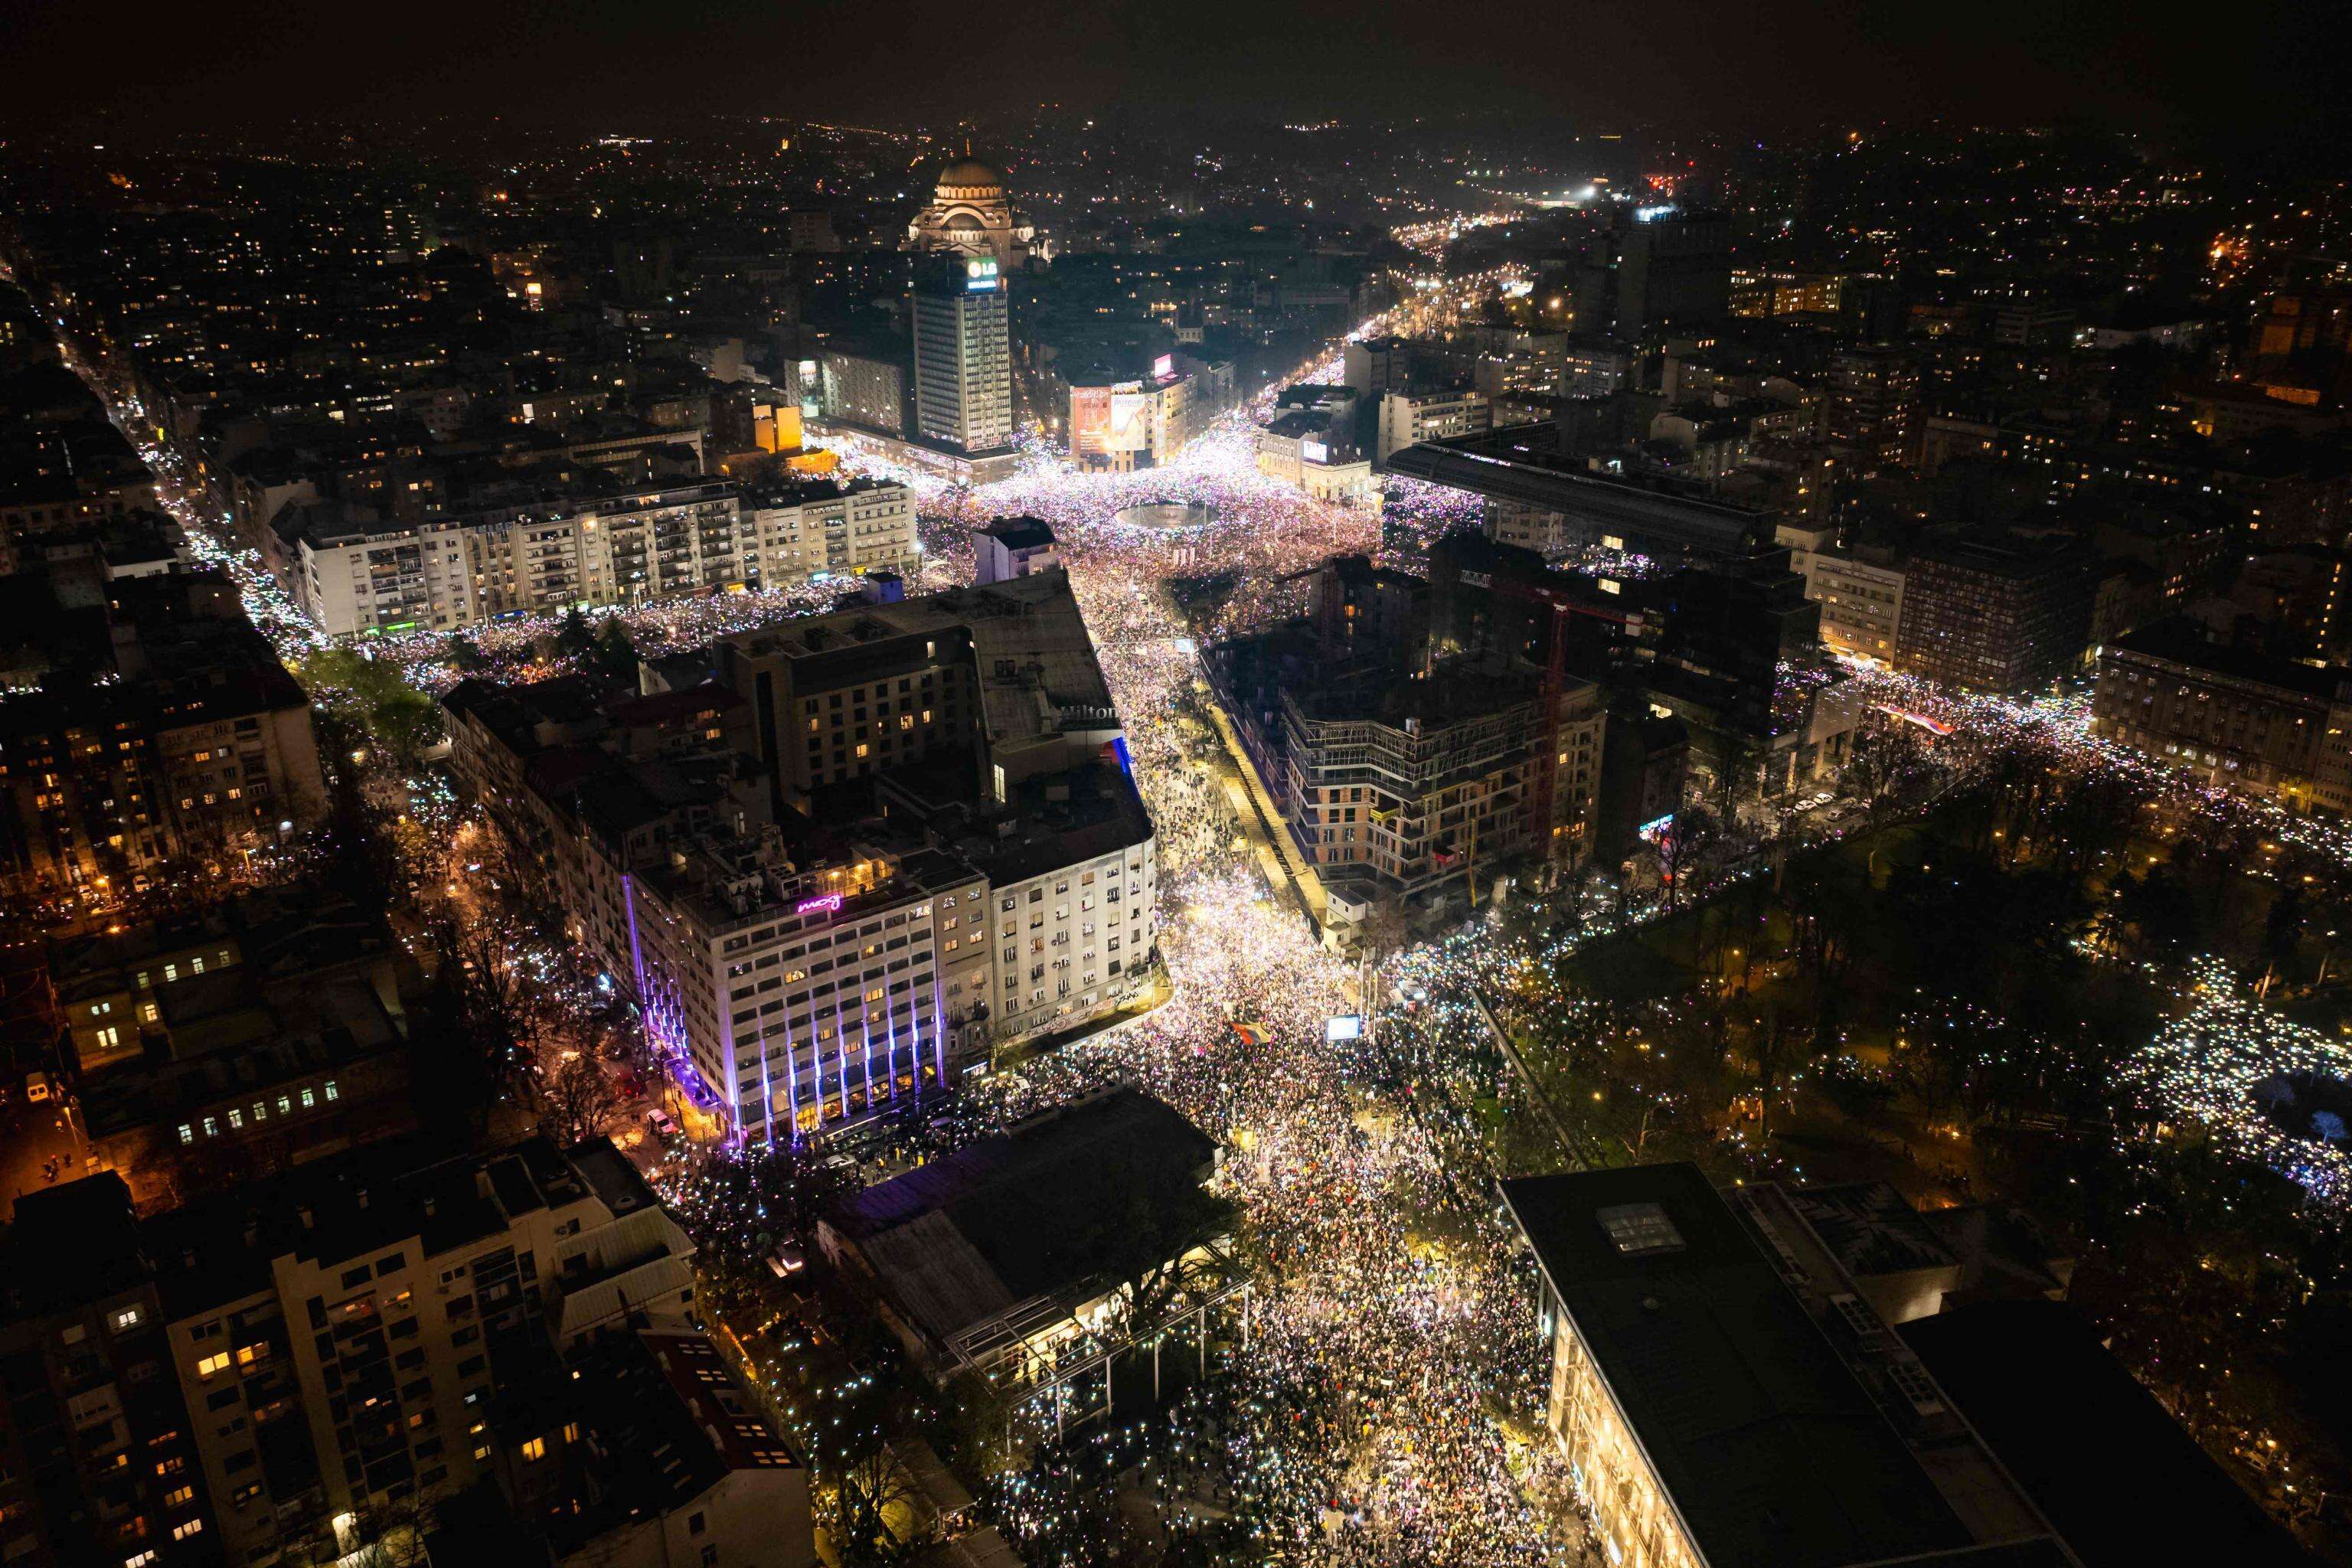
x: 968, y: 176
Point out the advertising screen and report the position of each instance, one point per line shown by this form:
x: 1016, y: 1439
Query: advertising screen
x: 1131, y: 418
x: 1089, y: 419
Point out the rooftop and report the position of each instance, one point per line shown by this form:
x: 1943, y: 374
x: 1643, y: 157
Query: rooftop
x: 1522, y: 463
x: 1026, y: 1214
x: 1870, y: 1228
x: 71, y: 1246
x: 2176, y: 641
x: 1038, y: 674
x: 662, y: 1419
x: 1019, y: 533
x: 353, y: 1204
x: 2042, y: 1392
x: 1050, y: 821
x: 1768, y: 1445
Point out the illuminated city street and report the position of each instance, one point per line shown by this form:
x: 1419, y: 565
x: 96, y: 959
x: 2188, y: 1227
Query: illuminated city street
x: 1427, y: 1363
x: 1380, y: 1412
x: 624, y: 774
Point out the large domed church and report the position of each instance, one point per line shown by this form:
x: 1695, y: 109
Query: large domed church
x: 971, y: 215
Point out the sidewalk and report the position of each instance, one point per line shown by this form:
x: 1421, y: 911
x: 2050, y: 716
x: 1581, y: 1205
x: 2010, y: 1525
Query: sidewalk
x: 1021, y: 1050
x: 1261, y: 820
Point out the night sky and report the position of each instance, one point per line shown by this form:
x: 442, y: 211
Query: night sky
x: 2260, y: 72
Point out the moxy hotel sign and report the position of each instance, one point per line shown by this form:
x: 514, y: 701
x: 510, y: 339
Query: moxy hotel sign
x: 823, y: 904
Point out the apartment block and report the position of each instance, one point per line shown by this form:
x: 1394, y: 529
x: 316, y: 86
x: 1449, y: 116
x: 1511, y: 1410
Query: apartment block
x: 793, y: 1002
x: 792, y: 867
x: 162, y: 728
x: 865, y: 389
x: 98, y: 1459
x: 1995, y: 615
x: 207, y: 1047
x: 1860, y: 590
x: 339, y: 1335
x: 1873, y: 410
x: 573, y: 1486
x: 356, y: 573
x: 1408, y: 419
x: 1399, y: 769
x: 2232, y: 717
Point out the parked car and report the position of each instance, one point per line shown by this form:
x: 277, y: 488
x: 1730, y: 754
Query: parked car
x: 36, y: 1086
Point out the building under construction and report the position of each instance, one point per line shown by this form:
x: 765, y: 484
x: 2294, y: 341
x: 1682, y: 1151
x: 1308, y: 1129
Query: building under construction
x: 1401, y: 772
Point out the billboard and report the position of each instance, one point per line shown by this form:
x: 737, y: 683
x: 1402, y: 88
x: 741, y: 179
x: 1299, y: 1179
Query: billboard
x: 1346, y: 1027
x: 1090, y: 419
x: 1131, y: 417
x: 1114, y: 419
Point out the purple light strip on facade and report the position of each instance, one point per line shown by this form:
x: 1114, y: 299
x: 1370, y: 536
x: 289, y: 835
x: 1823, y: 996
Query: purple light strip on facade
x: 865, y: 1043
x: 636, y: 953
x: 665, y: 1024
x: 840, y: 1061
x: 915, y: 1049
x: 767, y: 1094
x: 938, y: 1029
x: 792, y: 1072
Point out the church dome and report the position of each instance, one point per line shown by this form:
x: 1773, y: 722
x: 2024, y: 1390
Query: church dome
x: 969, y: 177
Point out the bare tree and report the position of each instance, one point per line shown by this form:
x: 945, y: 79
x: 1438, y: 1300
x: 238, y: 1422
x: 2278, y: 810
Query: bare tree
x: 1773, y: 1049
x: 1686, y: 842
x: 1883, y: 769
x: 497, y: 1016
x: 579, y: 1095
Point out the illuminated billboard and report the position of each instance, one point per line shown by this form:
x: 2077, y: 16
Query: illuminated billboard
x: 823, y: 904
x: 1163, y: 368
x: 1115, y: 418
x: 1089, y: 419
x: 1131, y: 417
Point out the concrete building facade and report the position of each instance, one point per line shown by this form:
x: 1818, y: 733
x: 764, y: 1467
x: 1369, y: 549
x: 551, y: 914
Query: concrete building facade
x: 356, y: 576
x: 1408, y: 419
x: 963, y: 358
x: 2232, y: 717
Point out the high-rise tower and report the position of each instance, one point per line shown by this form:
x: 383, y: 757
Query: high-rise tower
x: 963, y: 364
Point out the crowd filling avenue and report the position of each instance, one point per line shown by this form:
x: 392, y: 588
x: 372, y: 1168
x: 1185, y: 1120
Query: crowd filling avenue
x: 1240, y: 820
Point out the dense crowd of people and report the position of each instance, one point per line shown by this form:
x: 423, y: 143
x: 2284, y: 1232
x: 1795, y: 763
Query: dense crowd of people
x: 1374, y: 1410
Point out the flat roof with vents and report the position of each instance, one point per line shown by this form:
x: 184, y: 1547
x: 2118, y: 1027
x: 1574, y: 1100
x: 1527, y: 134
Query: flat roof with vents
x: 1773, y: 1453
x: 1636, y: 1229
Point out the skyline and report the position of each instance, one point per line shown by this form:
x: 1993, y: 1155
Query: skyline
x: 1197, y: 818
x: 2261, y: 79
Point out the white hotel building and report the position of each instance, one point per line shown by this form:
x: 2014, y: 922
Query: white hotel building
x: 905, y: 834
